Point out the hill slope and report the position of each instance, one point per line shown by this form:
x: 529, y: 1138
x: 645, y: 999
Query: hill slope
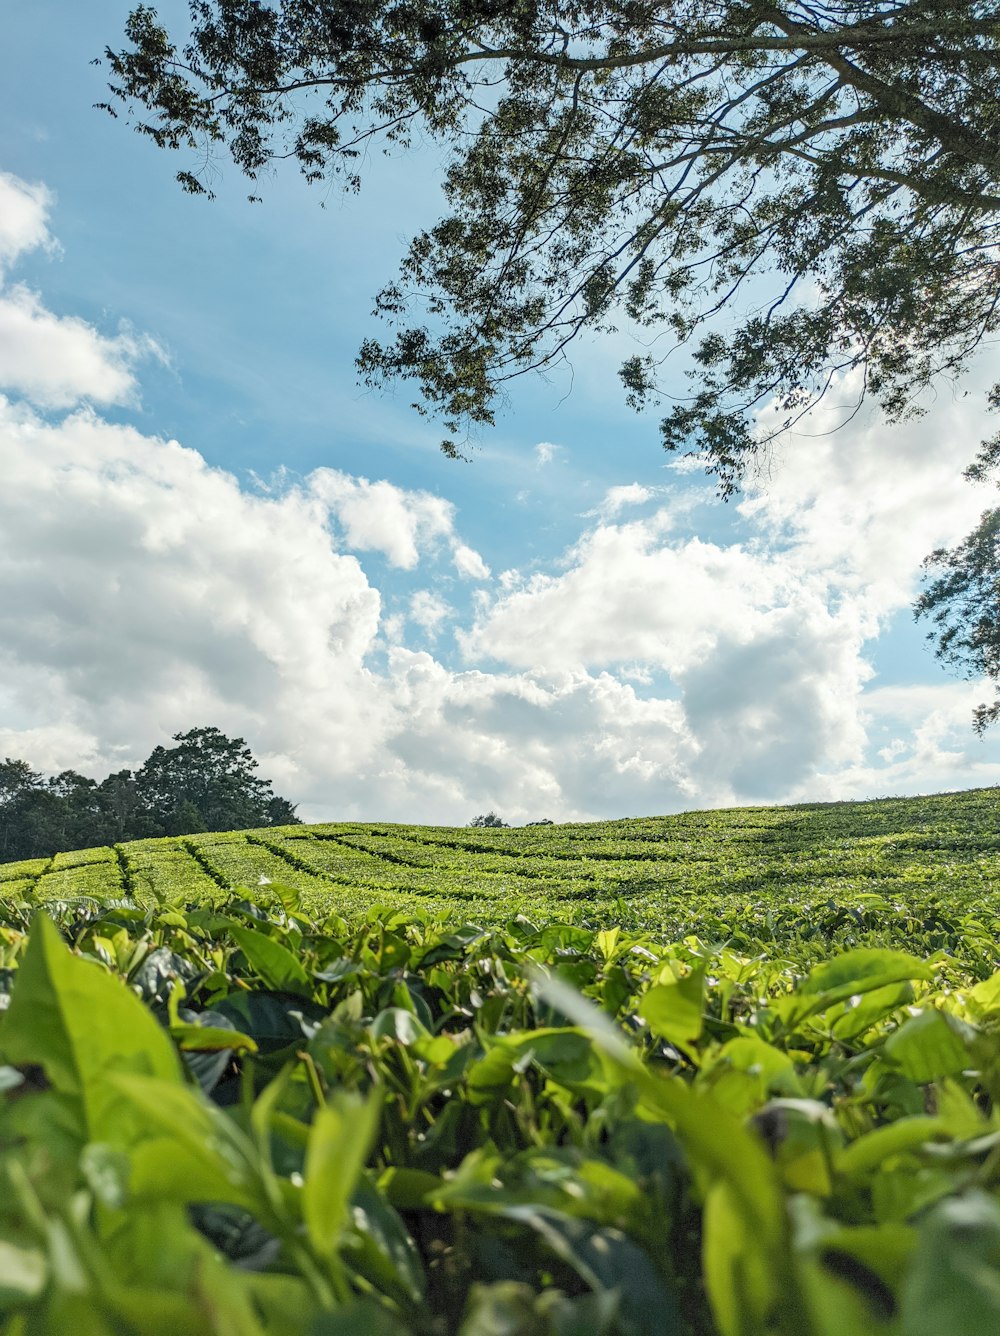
x: 882, y: 870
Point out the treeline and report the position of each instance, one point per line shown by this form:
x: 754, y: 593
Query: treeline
x: 206, y: 782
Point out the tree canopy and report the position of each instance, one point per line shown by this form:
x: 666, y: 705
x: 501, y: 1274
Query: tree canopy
x: 637, y: 160
x: 206, y: 782
x: 961, y: 599
x: 209, y: 779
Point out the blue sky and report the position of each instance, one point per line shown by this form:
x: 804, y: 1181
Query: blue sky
x: 568, y: 626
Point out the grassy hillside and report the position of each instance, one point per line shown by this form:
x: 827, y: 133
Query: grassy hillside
x: 889, y: 870
x: 719, y: 1074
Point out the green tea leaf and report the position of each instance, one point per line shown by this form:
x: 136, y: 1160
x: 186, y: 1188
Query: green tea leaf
x: 192, y: 1151
x: 271, y: 1020
x: 929, y: 1046
x: 378, y: 1247
x: 851, y: 974
x: 340, y: 1139
x: 275, y: 964
x: 953, y: 1285
x: 362, y: 1317
x: 82, y: 1026
x: 673, y: 1010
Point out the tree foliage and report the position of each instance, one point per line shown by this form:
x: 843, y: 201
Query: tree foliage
x: 206, y: 782
x: 639, y: 160
x: 207, y: 778
x: 962, y: 601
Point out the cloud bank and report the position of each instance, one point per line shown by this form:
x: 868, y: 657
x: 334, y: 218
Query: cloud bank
x: 640, y: 670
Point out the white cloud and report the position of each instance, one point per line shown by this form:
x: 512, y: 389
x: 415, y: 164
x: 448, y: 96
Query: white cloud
x: 617, y: 499
x: 55, y: 361
x: 928, y: 744
x: 568, y: 745
x: 866, y: 503
x: 766, y: 642
x: 428, y: 610
x: 24, y: 211
x: 53, y: 748
x: 143, y: 592
x: 402, y: 525
x: 771, y: 712
x: 546, y: 452
x: 769, y: 677
x: 469, y: 563
x: 380, y: 517
x: 627, y: 595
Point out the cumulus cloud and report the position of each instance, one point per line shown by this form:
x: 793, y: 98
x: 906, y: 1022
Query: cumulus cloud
x: 469, y: 563
x: 766, y: 641
x: 55, y: 361
x: 920, y: 741
x: 401, y: 525
x: 24, y: 210
x: 630, y: 595
x: 143, y: 592
x: 380, y: 517
x: 428, y: 610
x: 567, y: 744
x: 771, y: 711
x: 617, y: 499
x: 866, y: 503
x: 768, y: 676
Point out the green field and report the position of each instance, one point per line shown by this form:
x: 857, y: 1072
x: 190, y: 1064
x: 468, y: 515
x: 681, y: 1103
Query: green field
x: 922, y: 872
x: 720, y: 1074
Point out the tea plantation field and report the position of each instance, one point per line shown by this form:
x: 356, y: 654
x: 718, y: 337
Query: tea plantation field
x: 905, y: 870
x: 719, y: 1074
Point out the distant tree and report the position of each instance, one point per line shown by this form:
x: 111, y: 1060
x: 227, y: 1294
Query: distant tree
x: 17, y: 782
x: 963, y: 602
x: 74, y: 819
x: 544, y: 822
x: 487, y: 819
x: 124, y: 814
x: 280, y: 812
x: 18, y: 786
x: 207, y: 782
x: 15, y: 778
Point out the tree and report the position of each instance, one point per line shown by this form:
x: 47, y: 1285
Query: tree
x: 207, y: 782
x: 637, y: 160
x: 124, y: 815
x: 963, y: 602
x: 488, y: 819
x: 204, y: 783
x: 17, y: 782
x: 74, y: 818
